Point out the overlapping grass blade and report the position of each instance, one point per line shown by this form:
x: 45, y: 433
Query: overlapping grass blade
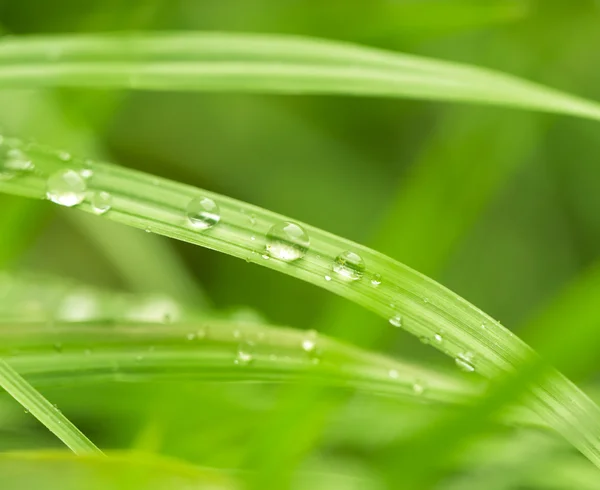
x: 263, y: 63
x: 44, y: 411
x: 428, y: 310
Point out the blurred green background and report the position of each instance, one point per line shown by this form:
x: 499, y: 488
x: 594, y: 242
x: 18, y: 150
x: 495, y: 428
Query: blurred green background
x: 499, y: 205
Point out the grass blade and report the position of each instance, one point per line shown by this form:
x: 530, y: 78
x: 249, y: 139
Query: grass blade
x: 44, y: 411
x: 427, y: 308
x: 263, y: 63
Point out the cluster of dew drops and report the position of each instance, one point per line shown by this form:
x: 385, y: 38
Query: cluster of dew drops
x: 285, y: 241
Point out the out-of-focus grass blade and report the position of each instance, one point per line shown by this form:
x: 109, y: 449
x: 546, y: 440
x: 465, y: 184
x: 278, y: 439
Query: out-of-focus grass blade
x: 38, y: 469
x: 17, y: 225
x: 390, y: 289
x: 264, y: 63
x: 146, y: 263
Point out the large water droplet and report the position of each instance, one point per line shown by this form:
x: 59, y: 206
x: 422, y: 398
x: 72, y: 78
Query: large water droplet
x: 244, y: 353
x: 101, y: 202
x: 203, y: 213
x: 464, y: 361
x: 14, y: 162
x: 66, y: 187
x: 396, y: 321
x: 349, y: 266
x: 287, y: 241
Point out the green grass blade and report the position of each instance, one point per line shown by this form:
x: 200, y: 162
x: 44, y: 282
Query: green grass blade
x: 44, y: 411
x: 263, y: 63
x: 428, y: 310
x: 67, y: 353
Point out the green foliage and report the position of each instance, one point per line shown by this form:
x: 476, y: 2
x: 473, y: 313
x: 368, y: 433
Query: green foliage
x: 141, y: 341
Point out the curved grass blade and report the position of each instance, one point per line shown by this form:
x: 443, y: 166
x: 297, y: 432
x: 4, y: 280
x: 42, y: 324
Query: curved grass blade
x: 44, y: 411
x: 390, y: 289
x: 216, y: 350
x: 263, y: 63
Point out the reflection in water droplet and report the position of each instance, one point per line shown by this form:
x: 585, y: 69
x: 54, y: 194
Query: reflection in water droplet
x: 464, y: 361
x: 349, y: 266
x: 287, y: 241
x: 244, y: 353
x: 396, y: 321
x: 66, y: 187
x: 376, y: 280
x: 418, y: 388
x: 101, y: 202
x: 203, y: 213
x: 14, y: 162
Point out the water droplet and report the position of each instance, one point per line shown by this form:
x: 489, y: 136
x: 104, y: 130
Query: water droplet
x: 376, y: 280
x: 287, y: 241
x: 101, y: 202
x: 418, y: 388
x: 265, y: 256
x: 483, y: 326
x: 396, y: 321
x: 393, y: 374
x: 252, y: 238
x: 328, y: 278
x: 203, y: 213
x: 244, y: 353
x: 349, y: 266
x: 425, y: 300
x: 86, y: 173
x: 66, y: 187
x: 252, y: 219
x: 14, y: 162
x: 464, y: 361
x: 309, y: 342
x: 438, y: 338
x: 64, y: 156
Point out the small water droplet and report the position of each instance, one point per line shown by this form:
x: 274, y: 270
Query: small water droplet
x: 328, y: 278
x: 86, y: 173
x: 425, y: 300
x: 101, y: 202
x: 287, y: 241
x: 349, y: 266
x: 309, y: 342
x: 265, y: 256
x: 252, y: 238
x: 252, y: 219
x: 418, y: 388
x: 244, y: 353
x: 396, y: 321
x: 393, y: 374
x: 203, y: 213
x: 66, y: 188
x: 483, y: 326
x: 464, y: 361
x: 438, y: 338
x: 14, y: 162
x: 376, y: 280
x: 64, y: 156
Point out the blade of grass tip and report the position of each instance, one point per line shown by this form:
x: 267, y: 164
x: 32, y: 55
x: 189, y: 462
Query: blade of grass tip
x: 411, y: 300
x: 44, y: 411
x: 263, y: 63
x: 574, y: 349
